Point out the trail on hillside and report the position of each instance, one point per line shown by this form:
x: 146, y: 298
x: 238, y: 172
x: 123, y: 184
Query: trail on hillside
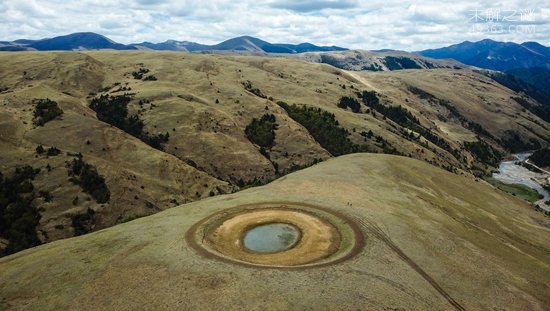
x: 378, y: 233
x: 361, y: 79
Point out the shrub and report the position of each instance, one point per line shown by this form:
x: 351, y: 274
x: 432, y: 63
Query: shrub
x: 248, y: 86
x: 139, y: 73
x: 45, y: 110
x: 53, y: 151
x: 83, y: 223
x: 262, y: 131
x: 40, y: 149
x: 150, y: 78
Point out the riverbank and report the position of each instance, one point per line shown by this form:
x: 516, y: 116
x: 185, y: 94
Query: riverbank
x: 512, y: 172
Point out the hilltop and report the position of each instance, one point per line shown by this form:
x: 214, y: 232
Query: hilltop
x: 433, y: 240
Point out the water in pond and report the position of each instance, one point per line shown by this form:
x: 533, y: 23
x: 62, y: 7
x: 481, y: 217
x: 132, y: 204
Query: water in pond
x: 269, y: 238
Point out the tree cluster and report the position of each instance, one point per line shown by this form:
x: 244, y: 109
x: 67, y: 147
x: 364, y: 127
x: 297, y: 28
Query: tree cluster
x: 86, y: 176
x: 18, y: 215
x: 349, y: 102
x: 45, y: 110
x: 114, y: 110
x: 324, y: 127
x: 262, y: 131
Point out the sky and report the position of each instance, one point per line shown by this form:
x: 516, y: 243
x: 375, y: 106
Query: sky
x: 357, y: 24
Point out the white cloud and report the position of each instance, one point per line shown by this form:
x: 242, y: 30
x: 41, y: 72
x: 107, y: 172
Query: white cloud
x: 374, y: 24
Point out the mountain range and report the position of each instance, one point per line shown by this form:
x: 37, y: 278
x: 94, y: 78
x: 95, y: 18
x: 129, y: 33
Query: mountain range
x: 93, y: 41
x: 525, y: 65
x: 489, y: 54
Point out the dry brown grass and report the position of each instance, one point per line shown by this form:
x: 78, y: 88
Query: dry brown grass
x: 210, y: 135
x: 432, y: 238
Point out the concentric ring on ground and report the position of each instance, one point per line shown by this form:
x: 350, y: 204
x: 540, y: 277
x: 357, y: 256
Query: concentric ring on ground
x: 326, y: 236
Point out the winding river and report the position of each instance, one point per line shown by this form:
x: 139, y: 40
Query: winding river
x: 511, y: 173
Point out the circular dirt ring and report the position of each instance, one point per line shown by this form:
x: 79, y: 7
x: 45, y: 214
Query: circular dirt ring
x: 324, y: 236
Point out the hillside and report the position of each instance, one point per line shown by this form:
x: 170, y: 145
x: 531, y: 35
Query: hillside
x: 384, y: 60
x: 431, y: 240
x: 176, y: 128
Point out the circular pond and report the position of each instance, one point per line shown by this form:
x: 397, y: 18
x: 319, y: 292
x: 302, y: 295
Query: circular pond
x: 271, y: 237
x: 278, y: 235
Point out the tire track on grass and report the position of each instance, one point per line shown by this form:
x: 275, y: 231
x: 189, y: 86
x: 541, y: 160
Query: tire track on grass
x: 378, y: 233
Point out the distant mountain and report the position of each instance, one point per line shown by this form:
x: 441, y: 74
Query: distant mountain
x: 489, y: 54
x: 172, y: 45
x: 525, y: 67
x: 93, y: 41
x: 244, y: 43
x: 75, y: 41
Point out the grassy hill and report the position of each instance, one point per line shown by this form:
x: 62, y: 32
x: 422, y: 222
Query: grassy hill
x: 433, y: 240
x: 174, y: 127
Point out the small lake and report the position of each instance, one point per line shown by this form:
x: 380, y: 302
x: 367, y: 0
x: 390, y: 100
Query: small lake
x: 270, y: 238
x: 511, y: 173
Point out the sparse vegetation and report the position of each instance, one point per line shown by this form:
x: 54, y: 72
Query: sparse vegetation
x: 515, y: 143
x: 86, y: 176
x: 45, y: 110
x: 473, y: 126
x: 540, y: 111
x: 406, y: 119
x: 18, y: 215
x: 262, y: 131
x: 483, y: 152
x: 324, y: 127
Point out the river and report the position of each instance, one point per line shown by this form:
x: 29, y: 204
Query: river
x: 511, y: 173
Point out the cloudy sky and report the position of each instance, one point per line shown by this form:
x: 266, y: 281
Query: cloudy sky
x: 373, y: 24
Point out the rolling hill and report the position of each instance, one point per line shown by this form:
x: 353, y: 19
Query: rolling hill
x: 383, y: 60
x: 121, y: 135
x: 432, y: 240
